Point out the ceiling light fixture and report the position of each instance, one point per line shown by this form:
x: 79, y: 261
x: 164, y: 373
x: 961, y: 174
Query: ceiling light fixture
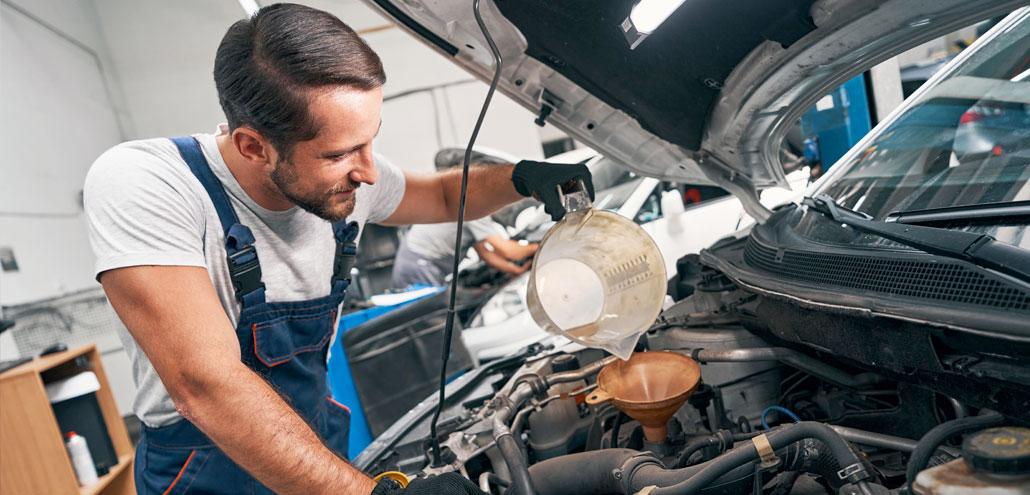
x: 645, y: 17
x: 250, y: 7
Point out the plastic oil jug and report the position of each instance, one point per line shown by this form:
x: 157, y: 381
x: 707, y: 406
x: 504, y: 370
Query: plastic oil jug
x: 597, y: 278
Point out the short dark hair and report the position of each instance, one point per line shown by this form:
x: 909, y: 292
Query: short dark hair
x: 266, y: 65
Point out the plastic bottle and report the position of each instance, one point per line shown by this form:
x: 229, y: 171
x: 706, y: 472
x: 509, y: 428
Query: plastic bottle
x: 82, y: 461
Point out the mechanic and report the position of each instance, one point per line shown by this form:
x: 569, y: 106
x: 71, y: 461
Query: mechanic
x: 426, y: 254
x: 226, y: 256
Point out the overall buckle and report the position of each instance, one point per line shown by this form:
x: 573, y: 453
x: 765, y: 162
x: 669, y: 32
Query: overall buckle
x: 245, y: 271
x: 343, y: 263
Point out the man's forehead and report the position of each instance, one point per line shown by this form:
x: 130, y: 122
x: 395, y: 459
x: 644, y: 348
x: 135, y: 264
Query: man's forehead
x: 347, y: 114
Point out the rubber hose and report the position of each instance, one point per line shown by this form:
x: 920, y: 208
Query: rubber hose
x: 694, y: 445
x: 778, y: 438
x: 522, y: 483
x: 584, y: 472
x: 814, y: 457
x: 595, y: 471
x: 939, y: 434
x: 699, y: 443
x: 649, y: 475
x: 616, y: 426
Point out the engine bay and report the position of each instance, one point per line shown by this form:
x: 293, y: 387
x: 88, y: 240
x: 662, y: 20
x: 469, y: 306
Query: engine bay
x: 721, y: 398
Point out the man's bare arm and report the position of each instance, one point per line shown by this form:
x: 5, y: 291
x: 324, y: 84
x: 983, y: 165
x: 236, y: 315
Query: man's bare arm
x: 174, y: 314
x: 434, y: 198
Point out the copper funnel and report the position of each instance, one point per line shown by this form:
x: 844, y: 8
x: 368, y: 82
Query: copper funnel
x: 650, y: 387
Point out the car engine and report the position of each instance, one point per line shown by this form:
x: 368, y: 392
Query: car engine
x: 769, y: 416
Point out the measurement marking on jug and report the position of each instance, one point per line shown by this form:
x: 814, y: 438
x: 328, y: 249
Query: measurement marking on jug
x: 627, y: 274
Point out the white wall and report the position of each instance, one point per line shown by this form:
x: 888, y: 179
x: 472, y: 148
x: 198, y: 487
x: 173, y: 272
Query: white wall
x: 58, y: 115
x: 56, y: 118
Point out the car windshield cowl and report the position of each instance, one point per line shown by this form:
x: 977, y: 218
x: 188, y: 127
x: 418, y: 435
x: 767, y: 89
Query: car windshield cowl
x: 980, y: 249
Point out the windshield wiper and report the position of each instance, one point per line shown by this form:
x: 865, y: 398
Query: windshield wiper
x: 1012, y: 210
x: 980, y: 249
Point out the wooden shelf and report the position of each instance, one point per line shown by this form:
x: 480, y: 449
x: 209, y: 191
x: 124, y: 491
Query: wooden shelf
x: 33, y: 458
x: 124, y: 463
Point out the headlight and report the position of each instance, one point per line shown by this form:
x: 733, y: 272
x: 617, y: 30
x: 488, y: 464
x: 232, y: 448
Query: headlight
x: 506, y: 303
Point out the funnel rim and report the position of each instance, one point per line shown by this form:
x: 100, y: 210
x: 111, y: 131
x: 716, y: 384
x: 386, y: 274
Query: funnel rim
x: 692, y: 367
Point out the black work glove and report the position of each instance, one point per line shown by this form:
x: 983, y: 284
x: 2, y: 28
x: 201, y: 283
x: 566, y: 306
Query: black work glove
x: 541, y: 180
x: 444, y: 484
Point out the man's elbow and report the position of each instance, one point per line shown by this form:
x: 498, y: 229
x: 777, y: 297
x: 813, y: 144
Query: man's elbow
x: 196, y: 392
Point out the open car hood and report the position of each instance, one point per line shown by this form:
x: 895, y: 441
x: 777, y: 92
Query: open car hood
x: 708, y: 96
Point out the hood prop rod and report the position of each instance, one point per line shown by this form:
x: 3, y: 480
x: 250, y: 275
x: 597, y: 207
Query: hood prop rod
x: 449, y: 327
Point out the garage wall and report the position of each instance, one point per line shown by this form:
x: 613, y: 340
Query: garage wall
x: 58, y: 116
x: 59, y: 107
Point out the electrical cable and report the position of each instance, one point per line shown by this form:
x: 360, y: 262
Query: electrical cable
x: 449, y: 327
x: 783, y: 410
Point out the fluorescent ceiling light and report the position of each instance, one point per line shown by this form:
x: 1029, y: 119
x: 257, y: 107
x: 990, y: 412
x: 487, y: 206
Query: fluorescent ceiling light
x: 649, y: 14
x: 250, y: 7
x: 645, y: 17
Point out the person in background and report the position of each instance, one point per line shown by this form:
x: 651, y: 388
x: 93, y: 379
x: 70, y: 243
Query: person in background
x: 426, y: 254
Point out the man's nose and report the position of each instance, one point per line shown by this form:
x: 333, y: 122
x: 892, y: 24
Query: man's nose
x: 365, y: 171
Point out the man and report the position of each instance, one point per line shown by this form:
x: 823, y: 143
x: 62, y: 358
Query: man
x: 226, y: 256
x: 426, y: 254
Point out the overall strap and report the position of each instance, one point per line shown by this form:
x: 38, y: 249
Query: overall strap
x: 244, y: 268
x: 346, y: 254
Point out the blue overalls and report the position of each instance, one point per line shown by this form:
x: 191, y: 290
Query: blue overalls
x: 284, y: 342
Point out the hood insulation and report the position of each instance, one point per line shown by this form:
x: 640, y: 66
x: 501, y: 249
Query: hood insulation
x: 670, y: 82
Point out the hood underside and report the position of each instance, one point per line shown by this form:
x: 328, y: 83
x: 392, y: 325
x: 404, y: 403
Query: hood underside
x: 708, y: 96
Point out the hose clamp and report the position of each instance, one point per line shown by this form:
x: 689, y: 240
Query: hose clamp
x: 764, y: 448
x: 629, y: 469
x: 853, y: 473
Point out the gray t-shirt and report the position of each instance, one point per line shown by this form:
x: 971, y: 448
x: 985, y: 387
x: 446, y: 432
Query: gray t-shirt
x: 145, y: 207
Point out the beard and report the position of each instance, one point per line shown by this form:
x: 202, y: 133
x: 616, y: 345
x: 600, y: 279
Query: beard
x: 321, y: 204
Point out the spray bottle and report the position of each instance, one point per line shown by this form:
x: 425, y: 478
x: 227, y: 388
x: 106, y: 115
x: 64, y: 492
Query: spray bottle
x: 82, y: 461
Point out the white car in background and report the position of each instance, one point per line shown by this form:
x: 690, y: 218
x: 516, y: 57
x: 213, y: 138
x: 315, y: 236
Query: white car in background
x: 503, y: 324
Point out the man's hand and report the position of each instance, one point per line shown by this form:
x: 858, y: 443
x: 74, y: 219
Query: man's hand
x: 444, y: 484
x: 541, y: 180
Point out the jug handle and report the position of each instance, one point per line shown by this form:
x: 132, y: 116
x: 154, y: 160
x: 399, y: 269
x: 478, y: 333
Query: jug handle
x: 577, y: 198
x: 598, y: 396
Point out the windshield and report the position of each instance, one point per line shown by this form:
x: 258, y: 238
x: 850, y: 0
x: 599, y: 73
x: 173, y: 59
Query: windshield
x: 965, y: 141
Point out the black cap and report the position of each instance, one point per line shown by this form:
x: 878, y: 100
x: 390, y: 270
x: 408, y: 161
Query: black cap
x: 564, y: 362
x: 1004, y: 450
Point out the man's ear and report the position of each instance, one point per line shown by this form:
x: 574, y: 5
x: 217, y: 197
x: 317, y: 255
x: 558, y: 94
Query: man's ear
x: 251, y: 145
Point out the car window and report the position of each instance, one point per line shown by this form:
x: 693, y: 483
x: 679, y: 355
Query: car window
x: 606, y: 174
x: 612, y: 198
x: 965, y: 141
x: 651, y: 209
